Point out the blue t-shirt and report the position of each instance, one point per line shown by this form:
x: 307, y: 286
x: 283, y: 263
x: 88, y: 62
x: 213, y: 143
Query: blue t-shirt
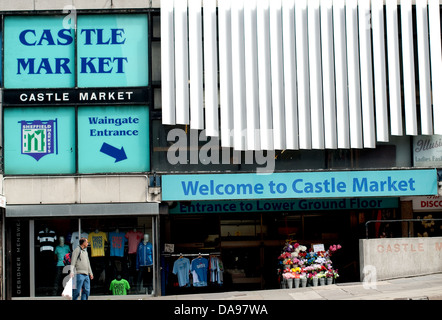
x: 181, y: 268
x: 61, y: 252
x: 117, y: 242
x: 199, y: 268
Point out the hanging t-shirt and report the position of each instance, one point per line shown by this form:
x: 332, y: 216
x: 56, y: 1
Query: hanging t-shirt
x: 75, y: 238
x: 181, y: 268
x: 199, y: 267
x: 216, y: 270
x: 117, y: 242
x: 134, y: 238
x: 97, y: 240
x: 119, y: 287
x: 61, y: 251
x: 47, y: 240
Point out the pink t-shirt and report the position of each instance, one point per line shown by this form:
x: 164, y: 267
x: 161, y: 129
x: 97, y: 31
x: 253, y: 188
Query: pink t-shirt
x: 133, y: 238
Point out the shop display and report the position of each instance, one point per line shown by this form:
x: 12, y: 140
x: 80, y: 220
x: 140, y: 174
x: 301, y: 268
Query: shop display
x: 216, y: 270
x: 199, y: 267
x: 133, y: 237
x: 97, y: 239
x: 46, y: 239
x: 144, y: 264
x: 119, y: 286
x: 300, y: 267
x: 117, y: 241
x: 109, y: 257
x: 75, y: 238
x: 60, y: 252
x: 45, y: 258
x: 181, y: 268
x: 198, y: 272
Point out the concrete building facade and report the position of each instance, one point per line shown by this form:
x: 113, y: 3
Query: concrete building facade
x: 219, y: 129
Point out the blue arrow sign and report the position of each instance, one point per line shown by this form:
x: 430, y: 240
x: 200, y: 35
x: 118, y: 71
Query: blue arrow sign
x: 113, y: 152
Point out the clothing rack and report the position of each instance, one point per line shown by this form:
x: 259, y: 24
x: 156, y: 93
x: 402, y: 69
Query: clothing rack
x: 191, y: 254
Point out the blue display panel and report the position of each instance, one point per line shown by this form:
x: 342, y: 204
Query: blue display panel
x: 113, y: 139
x: 296, y: 185
x: 39, y: 141
x: 39, y: 53
x: 112, y: 51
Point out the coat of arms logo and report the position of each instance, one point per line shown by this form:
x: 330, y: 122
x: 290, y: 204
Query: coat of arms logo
x: 39, y: 138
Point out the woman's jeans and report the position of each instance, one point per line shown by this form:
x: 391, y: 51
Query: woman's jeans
x: 82, y: 284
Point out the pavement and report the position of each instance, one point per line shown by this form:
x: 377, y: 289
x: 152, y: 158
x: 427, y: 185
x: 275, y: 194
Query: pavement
x: 426, y: 287
x: 269, y: 304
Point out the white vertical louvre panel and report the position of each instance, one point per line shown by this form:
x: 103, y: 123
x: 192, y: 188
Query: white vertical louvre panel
x: 423, y: 54
x: 408, y: 68
x: 315, y: 72
x: 328, y: 75
x: 290, y: 88
x: 436, y: 62
x: 238, y: 74
x: 380, y: 77
x: 302, y: 74
x: 342, y: 120
x: 251, y: 67
x: 277, y: 75
x: 225, y: 73
x: 196, y: 65
x: 394, y: 80
x: 368, y: 126
x: 354, y: 94
x: 210, y: 68
x: 264, y: 75
x: 181, y: 63
x: 167, y: 63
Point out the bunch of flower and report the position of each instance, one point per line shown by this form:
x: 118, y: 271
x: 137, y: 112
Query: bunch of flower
x: 333, y: 248
x: 296, y: 270
x: 284, y: 255
x: 288, y: 275
x: 309, y: 263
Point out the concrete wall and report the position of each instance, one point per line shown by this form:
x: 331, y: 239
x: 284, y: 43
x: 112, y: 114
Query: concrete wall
x: 15, y: 5
x: 400, y: 257
x: 77, y: 189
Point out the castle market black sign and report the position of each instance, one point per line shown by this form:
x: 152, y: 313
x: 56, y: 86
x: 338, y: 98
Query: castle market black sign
x: 72, y: 96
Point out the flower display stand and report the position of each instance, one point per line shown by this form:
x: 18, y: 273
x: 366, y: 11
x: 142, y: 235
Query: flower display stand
x: 315, y: 282
x: 300, y: 267
x: 289, y: 283
x: 303, y: 282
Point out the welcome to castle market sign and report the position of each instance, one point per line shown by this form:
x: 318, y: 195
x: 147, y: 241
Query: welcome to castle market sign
x: 297, y: 185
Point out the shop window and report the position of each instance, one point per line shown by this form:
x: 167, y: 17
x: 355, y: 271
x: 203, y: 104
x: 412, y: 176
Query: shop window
x: 115, y: 246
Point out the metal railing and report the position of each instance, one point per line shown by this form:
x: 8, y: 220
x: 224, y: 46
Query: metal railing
x: 401, y: 220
